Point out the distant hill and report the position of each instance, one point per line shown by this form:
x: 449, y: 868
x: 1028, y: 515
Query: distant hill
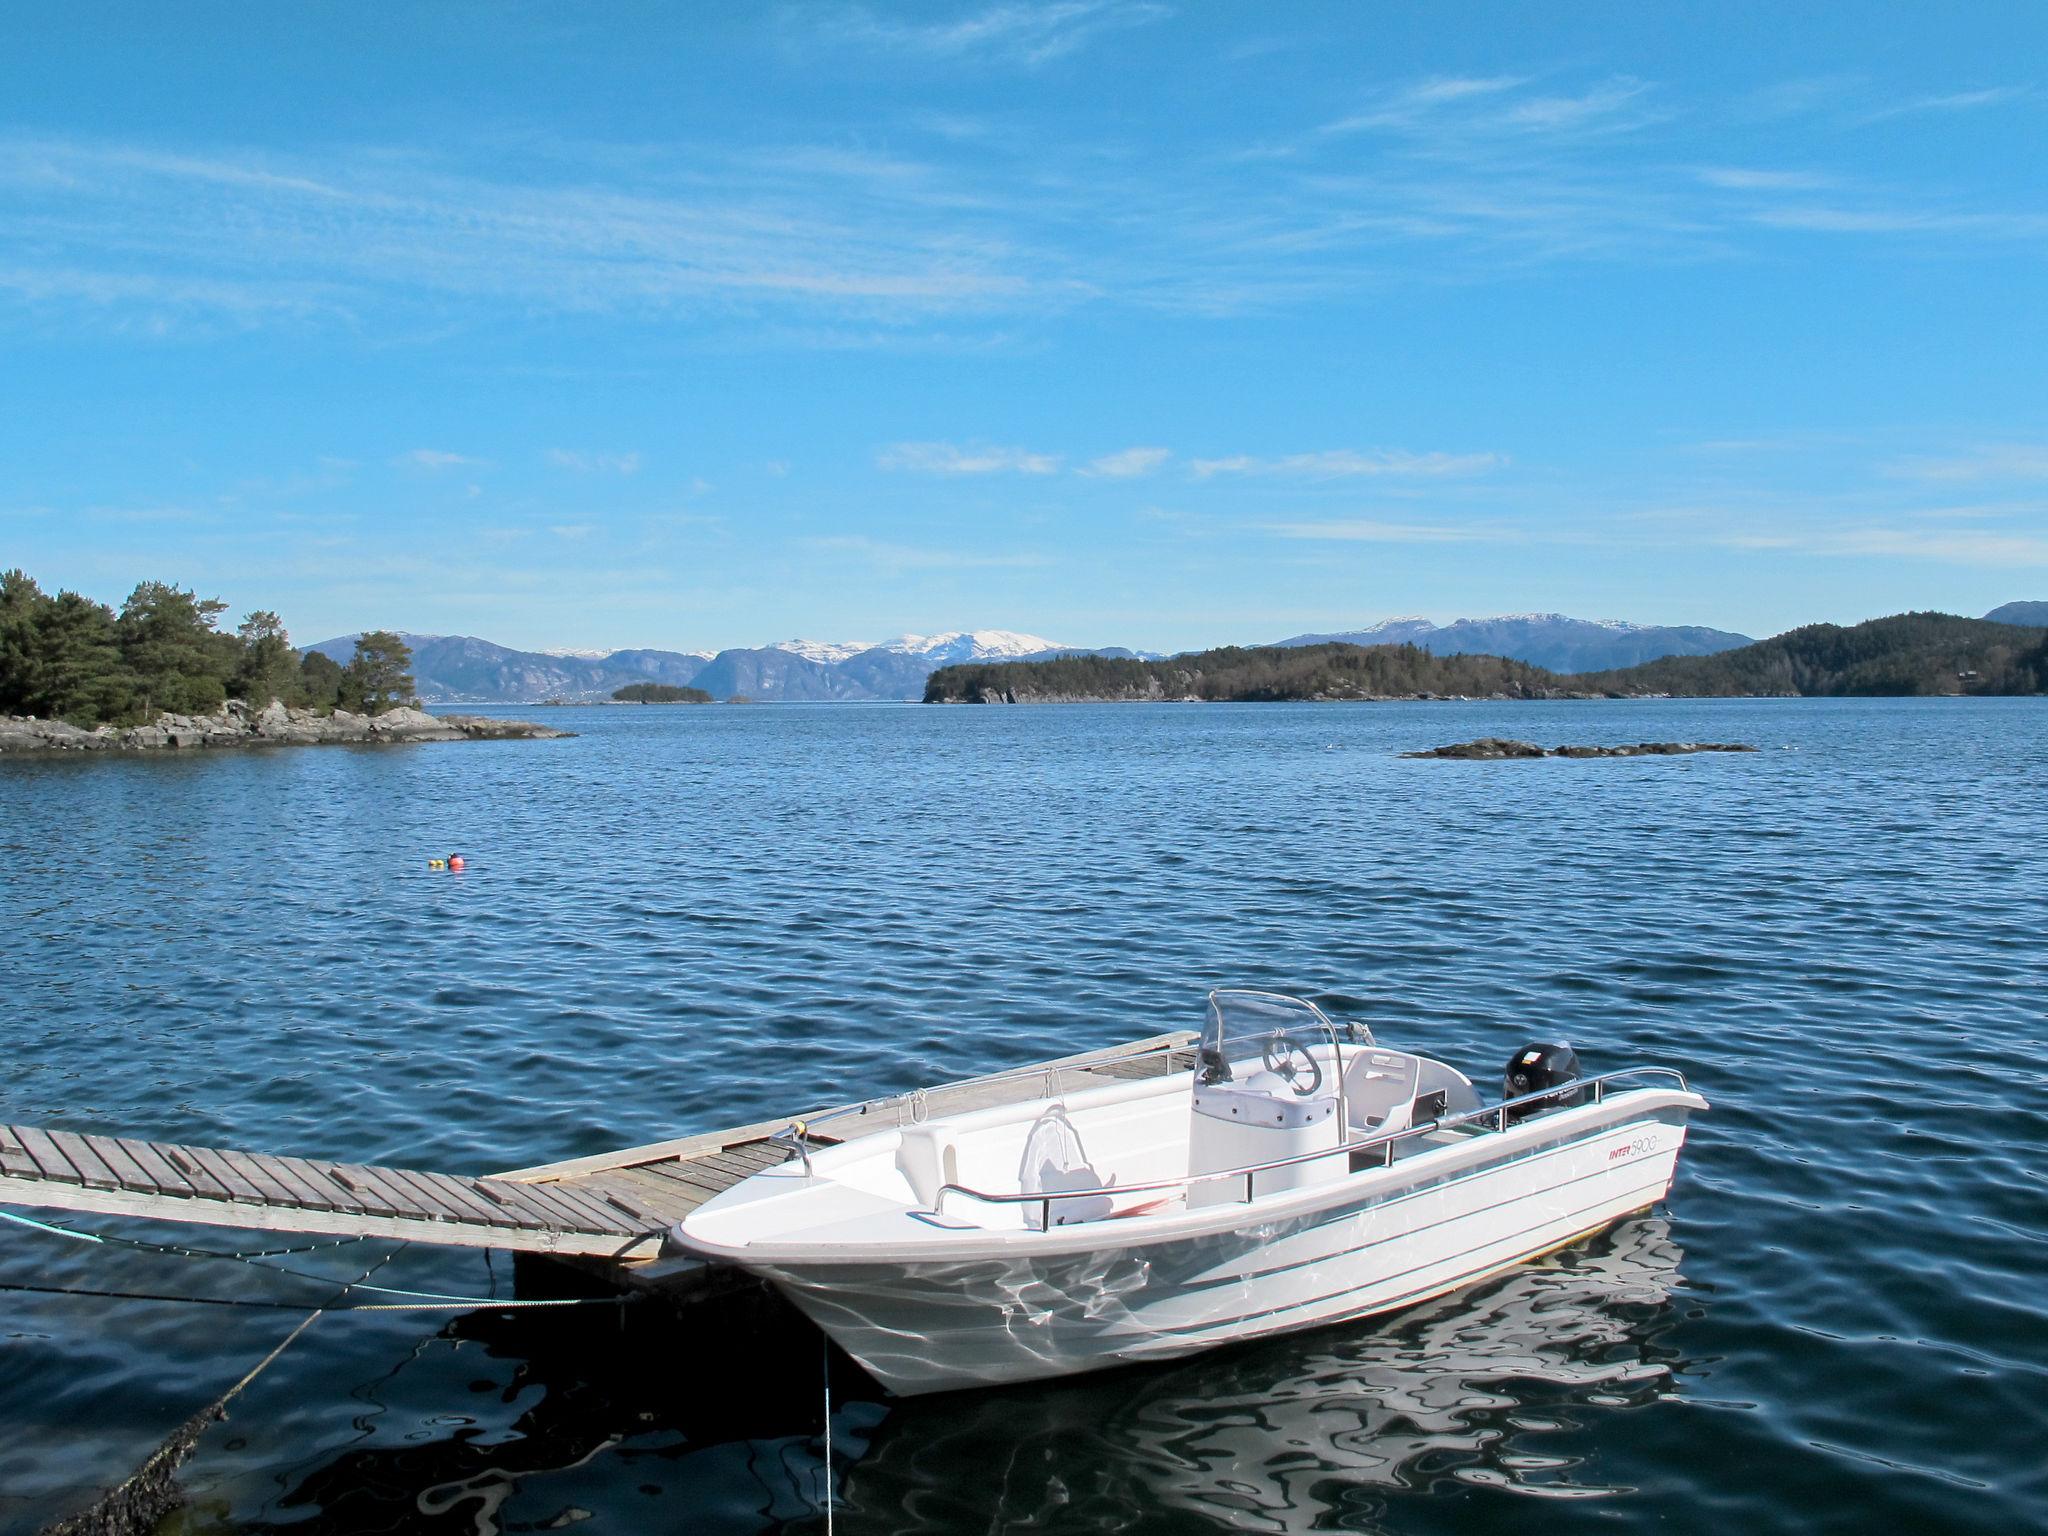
x: 1247, y: 675
x: 1552, y: 641
x: 2033, y: 615
x: 461, y: 669
x: 1912, y: 653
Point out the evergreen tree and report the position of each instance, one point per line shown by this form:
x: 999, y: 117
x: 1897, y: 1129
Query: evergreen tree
x: 269, y: 667
x: 377, y: 676
x: 181, y: 663
x: 319, y: 680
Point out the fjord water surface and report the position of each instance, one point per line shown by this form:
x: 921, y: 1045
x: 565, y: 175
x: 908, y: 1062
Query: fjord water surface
x: 692, y: 917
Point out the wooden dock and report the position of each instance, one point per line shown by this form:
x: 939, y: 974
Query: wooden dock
x: 608, y: 1212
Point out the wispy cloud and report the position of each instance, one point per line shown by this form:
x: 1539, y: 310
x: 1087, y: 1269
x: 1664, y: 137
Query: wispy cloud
x: 953, y: 459
x: 1997, y: 461
x: 1343, y: 463
x: 1366, y: 530
x: 1952, y: 101
x: 1029, y: 34
x: 1951, y: 546
x: 1128, y: 464
x: 1746, y: 179
x: 435, y: 459
x: 594, y: 463
x: 572, y: 531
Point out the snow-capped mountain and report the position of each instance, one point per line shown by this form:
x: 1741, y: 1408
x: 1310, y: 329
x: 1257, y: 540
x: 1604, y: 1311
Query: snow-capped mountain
x: 956, y: 645
x: 453, y: 669
x: 1551, y: 640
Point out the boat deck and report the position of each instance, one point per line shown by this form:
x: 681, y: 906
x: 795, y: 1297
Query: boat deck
x: 611, y: 1209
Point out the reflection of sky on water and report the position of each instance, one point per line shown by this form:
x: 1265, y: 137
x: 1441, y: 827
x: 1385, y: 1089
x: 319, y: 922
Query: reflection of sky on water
x: 709, y: 1419
x: 1284, y: 1435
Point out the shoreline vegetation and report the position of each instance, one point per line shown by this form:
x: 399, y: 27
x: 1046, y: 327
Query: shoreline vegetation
x: 1910, y: 654
x: 659, y: 693
x: 159, y: 674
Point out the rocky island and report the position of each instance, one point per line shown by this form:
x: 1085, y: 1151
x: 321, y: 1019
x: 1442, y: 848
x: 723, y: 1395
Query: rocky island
x: 1498, y: 748
x: 235, y: 724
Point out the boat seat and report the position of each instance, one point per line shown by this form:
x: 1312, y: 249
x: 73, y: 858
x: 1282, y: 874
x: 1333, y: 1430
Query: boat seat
x: 1379, y: 1090
x: 1055, y: 1162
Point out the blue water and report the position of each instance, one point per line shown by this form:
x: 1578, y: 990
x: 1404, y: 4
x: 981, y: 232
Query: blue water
x: 693, y: 917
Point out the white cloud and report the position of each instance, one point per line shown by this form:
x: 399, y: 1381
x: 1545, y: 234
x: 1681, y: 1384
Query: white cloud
x: 594, y: 463
x: 1951, y: 546
x: 433, y: 459
x: 1743, y: 179
x: 1999, y: 461
x: 1127, y: 464
x: 1340, y: 463
x: 1016, y: 32
x: 953, y: 459
x: 1365, y: 530
x: 572, y: 530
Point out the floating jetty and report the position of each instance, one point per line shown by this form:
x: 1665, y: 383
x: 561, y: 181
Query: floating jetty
x: 607, y: 1214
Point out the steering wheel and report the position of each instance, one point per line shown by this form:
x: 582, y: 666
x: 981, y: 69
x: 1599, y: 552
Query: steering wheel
x: 1291, y: 1062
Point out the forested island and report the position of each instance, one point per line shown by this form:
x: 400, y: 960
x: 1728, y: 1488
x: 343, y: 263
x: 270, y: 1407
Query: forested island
x: 1909, y: 654
x: 659, y: 693
x: 78, y: 675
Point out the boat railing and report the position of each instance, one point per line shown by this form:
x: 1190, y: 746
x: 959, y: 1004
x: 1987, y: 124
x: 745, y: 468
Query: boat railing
x: 916, y: 1103
x: 1494, y: 1117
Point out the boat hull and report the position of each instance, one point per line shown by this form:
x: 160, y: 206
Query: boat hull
x: 1374, y: 1243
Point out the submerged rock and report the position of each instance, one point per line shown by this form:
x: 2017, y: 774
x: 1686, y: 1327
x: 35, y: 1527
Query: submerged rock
x: 1494, y: 748
x: 235, y: 724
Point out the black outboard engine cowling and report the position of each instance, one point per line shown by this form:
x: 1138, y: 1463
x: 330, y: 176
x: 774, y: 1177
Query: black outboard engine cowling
x: 1532, y: 1069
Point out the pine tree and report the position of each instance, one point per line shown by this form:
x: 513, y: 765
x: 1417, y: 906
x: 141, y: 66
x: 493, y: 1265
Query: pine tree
x: 377, y: 676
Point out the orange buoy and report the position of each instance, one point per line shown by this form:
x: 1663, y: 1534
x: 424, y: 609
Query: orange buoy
x: 455, y: 861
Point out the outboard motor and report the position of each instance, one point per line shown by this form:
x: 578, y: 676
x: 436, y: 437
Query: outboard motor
x: 1533, y: 1068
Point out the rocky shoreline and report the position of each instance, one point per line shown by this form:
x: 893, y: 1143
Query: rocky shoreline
x: 235, y: 724
x: 1498, y: 748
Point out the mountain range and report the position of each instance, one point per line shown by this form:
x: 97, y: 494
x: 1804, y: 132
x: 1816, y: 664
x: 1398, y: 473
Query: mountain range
x: 461, y: 669
x: 1547, y: 640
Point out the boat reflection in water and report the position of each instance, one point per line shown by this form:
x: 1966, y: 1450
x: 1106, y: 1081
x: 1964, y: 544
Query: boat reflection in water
x: 573, y: 1422
x: 1298, y: 1433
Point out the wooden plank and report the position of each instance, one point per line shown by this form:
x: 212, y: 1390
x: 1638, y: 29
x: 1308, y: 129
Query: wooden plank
x: 272, y: 1191
x: 560, y: 1207
x: 514, y: 1201
x: 372, y: 1197
x: 425, y: 1202
x: 90, y: 1168
x: 610, y: 1246
x: 303, y: 1190
x: 732, y: 1169
x: 369, y: 1181
x: 470, y: 1206
x: 14, y: 1159
x: 656, y: 1200
x: 210, y: 1162
x: 130, y: 1173
x: 634, y: 1206
x: 151, y: 1162
x: 333, y: 1194
x: 701, y: 1184
x: 50, y: 1163
x: 202, y: 1182
x: 579, y: 1197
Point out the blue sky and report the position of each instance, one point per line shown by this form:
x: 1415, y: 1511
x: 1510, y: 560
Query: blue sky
x: 1115, y: 321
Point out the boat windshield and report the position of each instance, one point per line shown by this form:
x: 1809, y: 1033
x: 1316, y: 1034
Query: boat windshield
x: 1249, y: 1031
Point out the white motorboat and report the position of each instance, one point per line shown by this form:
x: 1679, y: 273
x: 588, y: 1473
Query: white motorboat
x: 1298, y: 1174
